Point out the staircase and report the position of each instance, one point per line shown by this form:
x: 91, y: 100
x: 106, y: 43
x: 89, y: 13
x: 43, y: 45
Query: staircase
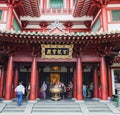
x: 12, y: 107
x: 102, y: 107
x: 61, y: 107
x: 56, y: 106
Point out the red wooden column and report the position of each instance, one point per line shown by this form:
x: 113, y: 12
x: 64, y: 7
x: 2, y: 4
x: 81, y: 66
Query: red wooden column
x: 74, y: 93
x: 33, y: 79
x: 2, y: 82
x: 9, y: 17
x: 15, y: 82
x: 9, y: 79
x: 103, y: 75
x: 95, y: 82
x: 37, y: 85
x: 109, y: 82
x: 104, y: 18
x: 79, y: 79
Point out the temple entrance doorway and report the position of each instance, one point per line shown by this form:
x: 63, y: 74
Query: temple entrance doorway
x: 53, y: 73
x: 24, y: 76
x: 88, y: 81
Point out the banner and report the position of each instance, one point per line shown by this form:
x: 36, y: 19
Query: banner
x: 57, y: 51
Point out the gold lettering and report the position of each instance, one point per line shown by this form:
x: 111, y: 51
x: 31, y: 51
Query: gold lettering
x: 48, y: 52
x: 65, y: 52
x: 59, y: 51
x: 54, y: 51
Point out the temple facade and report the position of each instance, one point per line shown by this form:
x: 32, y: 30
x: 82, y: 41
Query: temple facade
x: 60, y: 41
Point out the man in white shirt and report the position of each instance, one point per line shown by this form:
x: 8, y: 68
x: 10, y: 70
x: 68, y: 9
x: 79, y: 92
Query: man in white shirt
x: 20, y: 90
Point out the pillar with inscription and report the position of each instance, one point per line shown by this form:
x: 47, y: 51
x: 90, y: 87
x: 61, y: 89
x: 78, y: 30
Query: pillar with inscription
x: 9, y: 79
x: 103, y: 77
x: 79, y: 79
x: 33, y: 79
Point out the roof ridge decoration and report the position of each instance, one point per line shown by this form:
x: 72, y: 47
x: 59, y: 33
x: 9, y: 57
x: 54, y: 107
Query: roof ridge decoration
x: 56, y: 24
x: 57, y: 28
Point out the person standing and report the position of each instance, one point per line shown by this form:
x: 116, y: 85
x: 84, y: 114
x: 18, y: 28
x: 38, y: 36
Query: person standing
x: 44, y: 88
x: 20, y: 90
x: 84, y: 90
x: 28, y: 92
x: 71, y: 89
x: 63, y: 90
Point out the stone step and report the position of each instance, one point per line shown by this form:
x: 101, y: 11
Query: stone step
x: 55, y: 109
x: 56, y: 106
x: 12, y: 111
x: 15, y: 108
x: 55, y: 103
x: 40, y: 111
x: 102, y: 106
x: 95, y: 103
x: 102, y: 109
x: 12, y: 106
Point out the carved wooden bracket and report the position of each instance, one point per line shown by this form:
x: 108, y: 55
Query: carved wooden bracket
x: 79, y: 50
x: 68, y: 24
x: 88, y: 24
x: 105, y: 50
x: 24, y: 23
x: 43, y: 24
x: 36, y: 50
x: 9, y: 50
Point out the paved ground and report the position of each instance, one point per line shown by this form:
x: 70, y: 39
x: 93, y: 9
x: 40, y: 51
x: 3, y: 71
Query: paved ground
x: 63, y: 107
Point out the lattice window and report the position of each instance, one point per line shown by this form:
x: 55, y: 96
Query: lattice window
x: 115, y: 15
x: 56, y: 3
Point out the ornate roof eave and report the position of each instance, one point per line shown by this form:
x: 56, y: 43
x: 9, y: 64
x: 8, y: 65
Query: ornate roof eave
x: 28, y: 8
x: 88, y: 7
x: 32, y: 7
x: 48, y: 38
x: 81, y: 7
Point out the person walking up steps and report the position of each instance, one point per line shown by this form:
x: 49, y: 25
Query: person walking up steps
x: 20, y: 90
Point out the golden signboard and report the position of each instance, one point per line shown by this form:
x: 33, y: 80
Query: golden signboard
x: 57, y: 51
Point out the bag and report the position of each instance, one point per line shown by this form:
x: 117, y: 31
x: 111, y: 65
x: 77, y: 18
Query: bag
x: 41, y: 94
